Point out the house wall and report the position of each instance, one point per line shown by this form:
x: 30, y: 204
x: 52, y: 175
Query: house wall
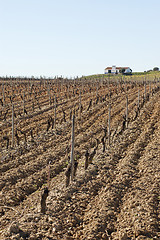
x: 114, y: 70
x: 106, y: 71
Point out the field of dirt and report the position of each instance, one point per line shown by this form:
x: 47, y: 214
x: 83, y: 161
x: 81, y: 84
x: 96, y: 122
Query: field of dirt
x: 116, y: 196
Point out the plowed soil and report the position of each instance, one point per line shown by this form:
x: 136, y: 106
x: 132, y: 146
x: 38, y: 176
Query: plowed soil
x: 116, y: 197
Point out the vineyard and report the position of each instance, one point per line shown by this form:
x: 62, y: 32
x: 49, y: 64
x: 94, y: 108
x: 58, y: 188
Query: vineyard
x: 79, y: 158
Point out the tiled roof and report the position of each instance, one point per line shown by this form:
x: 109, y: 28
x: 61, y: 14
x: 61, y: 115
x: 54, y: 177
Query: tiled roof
x: 110, y: 68
x: 121, y: 67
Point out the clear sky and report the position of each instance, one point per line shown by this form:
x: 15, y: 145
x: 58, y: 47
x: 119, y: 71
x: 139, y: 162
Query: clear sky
x: 77, y: 37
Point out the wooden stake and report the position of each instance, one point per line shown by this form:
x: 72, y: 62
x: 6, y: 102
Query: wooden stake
x: 12, y: 125
x: 80, y: 100
x: 80, y: 103
x: 61, y: 85
x: 126, y: 111
x: 72, y: 148
x: 24, y: 103
x: 55, y: 105
x: 138, y: 98
x: 43, y: 200
x: 149, y: 88
x: 82, y: 87
x: 145, y: 92
x: 3, y: 95
x: 49, y: 93
x: 109, y: 123
x: 49, y: 174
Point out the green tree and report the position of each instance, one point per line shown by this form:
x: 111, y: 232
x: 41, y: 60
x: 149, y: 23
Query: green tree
x: 155, y: 69
x: 122, y: 70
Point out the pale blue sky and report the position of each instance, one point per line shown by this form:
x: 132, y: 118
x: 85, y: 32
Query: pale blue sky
x: 77, y: 37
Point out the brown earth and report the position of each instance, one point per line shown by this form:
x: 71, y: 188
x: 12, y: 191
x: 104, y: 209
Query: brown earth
x: 117, y: 197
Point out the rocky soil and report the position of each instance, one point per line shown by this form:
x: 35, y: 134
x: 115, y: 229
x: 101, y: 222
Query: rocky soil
x: 116, y: 197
